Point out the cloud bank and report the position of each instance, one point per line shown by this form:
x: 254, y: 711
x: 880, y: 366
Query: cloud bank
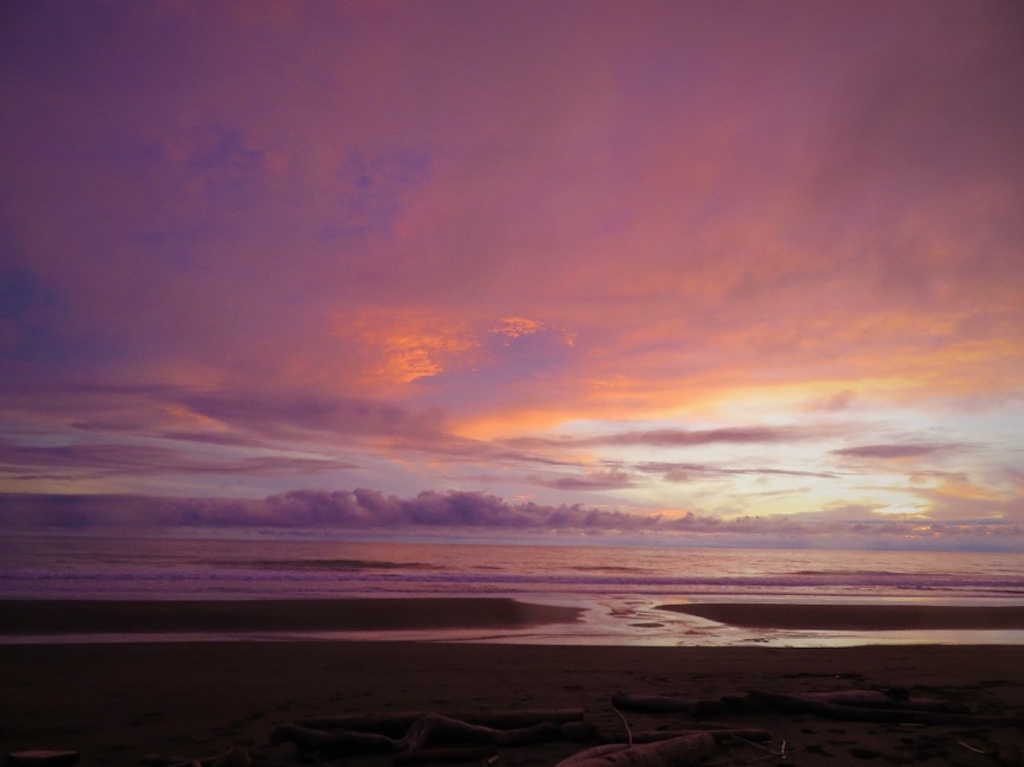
x: 478, y: 516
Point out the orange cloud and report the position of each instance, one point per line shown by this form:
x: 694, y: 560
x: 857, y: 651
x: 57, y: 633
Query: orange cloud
x: 514, y: 327
x: 402, y: 346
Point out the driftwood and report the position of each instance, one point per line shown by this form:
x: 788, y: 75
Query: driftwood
x: 169, y: 760
x: 445, y: 755
x: 889, y: 699
x: 723, y: 734
x: 684, y: 750
x: 233, y: 757
x: 396, y: 724
x: 436, y: 725
x: 593, y: 753
x: 45, y: 758
x: 802, y: 704
x: 898, y: 712
x: 308, y: 739
x: 894, y: 699
x: 425, y: 729
x: 653, y: 704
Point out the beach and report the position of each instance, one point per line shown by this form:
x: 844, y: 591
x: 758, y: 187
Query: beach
x: 115, y: 703
x: 272, y: 615
x: 857, y: 617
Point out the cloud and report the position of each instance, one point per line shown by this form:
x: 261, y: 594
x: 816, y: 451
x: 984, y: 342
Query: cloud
x: 514, y: 327
x: 428, y: 240
x: 956, y: 496
x: 397, y: 347
x: 688, y: 472
x: 210, y: 414
x: 374, y: 190
x: 96, y: 460
x: 684, y: 438
x: 839, y: 401
x: 678, y: 437
x: 283, y: 412
x: 896, y: 451
x: 357, y: 509
x: 364, y: 510
x: 596, y: 480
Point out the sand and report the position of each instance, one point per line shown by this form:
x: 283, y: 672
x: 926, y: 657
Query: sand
x: 835, y: 617
x: 83, y: 616
x: 116, y: 702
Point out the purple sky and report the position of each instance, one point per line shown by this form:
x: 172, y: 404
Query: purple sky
x: 719, y: 263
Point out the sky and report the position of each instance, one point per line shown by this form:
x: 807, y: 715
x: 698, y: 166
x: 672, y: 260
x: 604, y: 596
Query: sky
x: 570, y: 266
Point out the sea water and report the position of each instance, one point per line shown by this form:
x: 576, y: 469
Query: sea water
x: 619, y: 588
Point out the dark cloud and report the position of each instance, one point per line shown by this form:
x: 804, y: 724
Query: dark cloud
x: 687, y: 472
x: 454, y: 448
x: 127, y: 512
x: 280, y: 411
x: 269, y: 412
x: 91, y: 460
x: 342, y: 509
x: 456, y: 509
x: 34, y: 320
x: 139, y: 429
x: 601, y: 480
x: 678, y: 437
x: 895, y: 450
x: 685, y: 438
x: 373, y: 192
x: 365, y: 510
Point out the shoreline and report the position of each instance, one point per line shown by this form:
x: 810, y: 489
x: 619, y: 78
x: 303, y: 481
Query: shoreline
x: 44, y: 617
x: 386, y: 615
x: 854, y: 617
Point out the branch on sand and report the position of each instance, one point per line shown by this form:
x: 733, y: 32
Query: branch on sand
x: 684, y: 750
x: 398, y: 723
x: 854, y: 706
x: 426, y: 729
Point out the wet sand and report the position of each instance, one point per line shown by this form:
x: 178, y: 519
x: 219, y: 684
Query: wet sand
x: 856, y: 617
x: 116, y: 702
x: 85, y: 617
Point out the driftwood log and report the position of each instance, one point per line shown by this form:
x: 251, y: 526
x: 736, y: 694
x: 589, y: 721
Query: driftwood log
x: 889, y: 699
x: 854, y: 706
x: 892, y: 699
x: 398, y: 723
x: 721, y: 734
x: 169, y: 760
x: 652, y: 704
x: 44, y: 758
x: 445, y: 755
x: 431, y: 727
x: 342, y: 742
x: 233, y: 757
x: 895, y: 714
x: 684, y: 750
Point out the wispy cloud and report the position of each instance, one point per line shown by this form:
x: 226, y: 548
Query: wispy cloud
x: 686, y: 472
x: 678, y: 437
x: 596, y: 480
x: 896, y: 450
x: 91, y: 461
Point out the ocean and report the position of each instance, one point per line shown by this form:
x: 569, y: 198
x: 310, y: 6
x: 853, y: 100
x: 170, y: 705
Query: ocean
x: 619, y: 588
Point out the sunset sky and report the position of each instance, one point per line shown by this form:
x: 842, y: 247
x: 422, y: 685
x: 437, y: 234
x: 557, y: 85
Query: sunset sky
x: 744, y: 266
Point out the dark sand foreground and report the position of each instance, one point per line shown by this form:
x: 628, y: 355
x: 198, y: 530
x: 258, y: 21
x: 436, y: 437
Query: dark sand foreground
x: 116, y: 702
